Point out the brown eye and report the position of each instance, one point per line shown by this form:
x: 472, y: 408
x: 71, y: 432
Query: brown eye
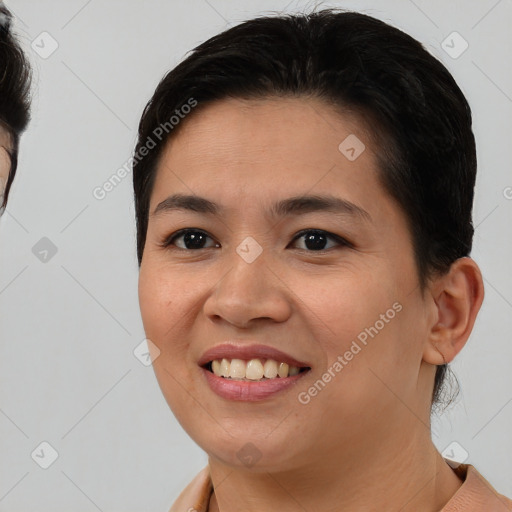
x: 317, y: 239
x: 191, y: 239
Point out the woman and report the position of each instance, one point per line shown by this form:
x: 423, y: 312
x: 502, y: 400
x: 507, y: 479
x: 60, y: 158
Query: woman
x: 303, y: 189
x: 14, y: 102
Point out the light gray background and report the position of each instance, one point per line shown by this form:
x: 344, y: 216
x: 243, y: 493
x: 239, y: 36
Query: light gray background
x: 69, y: 325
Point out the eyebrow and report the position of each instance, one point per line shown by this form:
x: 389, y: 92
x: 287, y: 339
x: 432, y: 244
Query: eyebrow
x: 297, y: 205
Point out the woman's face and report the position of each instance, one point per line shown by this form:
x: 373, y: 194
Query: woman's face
x: 249, y: 275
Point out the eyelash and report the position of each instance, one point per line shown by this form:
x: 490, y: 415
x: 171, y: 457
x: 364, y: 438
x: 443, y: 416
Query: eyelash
x: 166, y: 244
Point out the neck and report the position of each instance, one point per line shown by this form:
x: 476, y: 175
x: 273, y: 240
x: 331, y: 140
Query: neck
x: 403, y: 474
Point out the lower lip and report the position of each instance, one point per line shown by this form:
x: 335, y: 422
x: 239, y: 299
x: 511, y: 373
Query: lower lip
x: 247, y: 391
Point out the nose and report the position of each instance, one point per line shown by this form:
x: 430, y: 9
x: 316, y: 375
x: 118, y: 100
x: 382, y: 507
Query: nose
x: 250, y: 292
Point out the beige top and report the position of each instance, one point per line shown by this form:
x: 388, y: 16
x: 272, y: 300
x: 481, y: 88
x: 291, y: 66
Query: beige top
x: 474, y: 495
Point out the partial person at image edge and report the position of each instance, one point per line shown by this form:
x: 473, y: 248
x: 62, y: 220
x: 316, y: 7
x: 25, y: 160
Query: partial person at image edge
x: 15, y: 73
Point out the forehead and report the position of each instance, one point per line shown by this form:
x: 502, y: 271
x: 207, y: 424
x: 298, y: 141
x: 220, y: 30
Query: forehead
x: 278, y: 142
x: 276, y: 122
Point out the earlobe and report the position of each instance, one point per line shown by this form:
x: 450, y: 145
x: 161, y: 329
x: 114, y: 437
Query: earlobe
x: 457, y: 297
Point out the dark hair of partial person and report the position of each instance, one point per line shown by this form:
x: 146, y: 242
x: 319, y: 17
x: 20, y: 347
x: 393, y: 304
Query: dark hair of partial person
x: 416, y: 115
x: 15, y: 79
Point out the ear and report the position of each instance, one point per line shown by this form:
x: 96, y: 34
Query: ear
x: 457, y: 297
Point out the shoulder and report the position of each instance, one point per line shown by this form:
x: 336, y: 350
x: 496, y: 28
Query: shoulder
x: 476, y: 494
x: 196, y: 495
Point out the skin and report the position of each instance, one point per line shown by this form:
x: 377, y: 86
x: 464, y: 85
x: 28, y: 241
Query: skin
x: 5, y: 160
x: 365, y: 438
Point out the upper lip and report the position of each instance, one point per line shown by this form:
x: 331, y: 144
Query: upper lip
x: 247, y: 352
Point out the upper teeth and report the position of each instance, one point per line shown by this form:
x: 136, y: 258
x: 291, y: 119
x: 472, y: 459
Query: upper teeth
x: 254, y: 369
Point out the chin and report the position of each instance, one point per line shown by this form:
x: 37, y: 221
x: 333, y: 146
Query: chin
x: 251, y: 452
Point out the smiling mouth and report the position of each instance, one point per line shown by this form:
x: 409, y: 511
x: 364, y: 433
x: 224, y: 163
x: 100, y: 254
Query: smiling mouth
x: 253, y: 370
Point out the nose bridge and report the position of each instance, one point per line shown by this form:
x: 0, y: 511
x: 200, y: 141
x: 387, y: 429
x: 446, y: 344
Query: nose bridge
x: 249, y: 261
x: 249, y: 289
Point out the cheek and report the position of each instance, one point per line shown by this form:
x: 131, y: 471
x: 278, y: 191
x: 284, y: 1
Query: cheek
x: 166, y: 315
x: 360, y: 321
x: 343, y: 305
x: 170, y: 303
x: 152, y: 296
x: 162, y: 307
